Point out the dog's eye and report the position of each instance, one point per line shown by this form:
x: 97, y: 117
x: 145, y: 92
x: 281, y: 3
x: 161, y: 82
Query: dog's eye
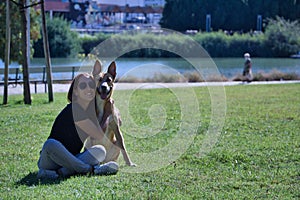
x: 109, y: 79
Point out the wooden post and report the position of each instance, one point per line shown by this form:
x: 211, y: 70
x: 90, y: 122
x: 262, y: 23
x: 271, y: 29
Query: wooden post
x: 7, y: 54
x: 25, y: 43
x: 47, y: 53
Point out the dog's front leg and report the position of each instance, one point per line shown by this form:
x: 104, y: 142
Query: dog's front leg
x: 120, y: 142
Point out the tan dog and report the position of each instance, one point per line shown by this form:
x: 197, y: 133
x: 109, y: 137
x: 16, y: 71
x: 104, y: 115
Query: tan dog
x: 108, y: 115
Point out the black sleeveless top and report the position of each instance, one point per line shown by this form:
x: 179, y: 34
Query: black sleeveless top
x: 64, y: 129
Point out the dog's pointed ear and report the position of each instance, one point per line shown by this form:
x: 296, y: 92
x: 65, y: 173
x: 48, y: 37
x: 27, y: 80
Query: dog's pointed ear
x: 97, y: 68
x: 112, y: 69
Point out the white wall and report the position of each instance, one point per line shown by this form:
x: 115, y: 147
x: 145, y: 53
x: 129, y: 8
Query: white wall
x: 154, y: 2
x: 123, y: 2
x: 133, y: 2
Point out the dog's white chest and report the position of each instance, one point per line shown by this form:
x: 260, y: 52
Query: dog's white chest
x: 100, y: 109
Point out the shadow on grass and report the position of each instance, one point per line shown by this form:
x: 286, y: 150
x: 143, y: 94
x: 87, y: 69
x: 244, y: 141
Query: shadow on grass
x: 31, y: 180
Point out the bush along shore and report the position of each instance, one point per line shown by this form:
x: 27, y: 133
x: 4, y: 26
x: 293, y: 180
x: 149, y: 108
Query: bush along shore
x: 274, y: 75
x: 281, y: 38
x: 217, y: 44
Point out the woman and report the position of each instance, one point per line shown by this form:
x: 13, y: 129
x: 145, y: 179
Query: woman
x: 60, y: 155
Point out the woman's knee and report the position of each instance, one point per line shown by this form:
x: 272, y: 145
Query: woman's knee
x: 93, y: 155
x: 98, y: 151
x: 51, y: 144
x: 45, y: 162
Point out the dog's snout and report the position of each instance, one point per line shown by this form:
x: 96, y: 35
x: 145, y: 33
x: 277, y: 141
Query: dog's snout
x: 104, y: 86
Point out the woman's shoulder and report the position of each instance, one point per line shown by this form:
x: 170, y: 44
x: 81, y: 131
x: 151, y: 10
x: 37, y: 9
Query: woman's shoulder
x: 72, y: 108
x: 68, y: 107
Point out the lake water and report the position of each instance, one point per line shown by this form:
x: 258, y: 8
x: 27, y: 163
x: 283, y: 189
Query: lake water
x: 147, y: 67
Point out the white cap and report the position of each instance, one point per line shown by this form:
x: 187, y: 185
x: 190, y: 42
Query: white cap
x: 247, y: 55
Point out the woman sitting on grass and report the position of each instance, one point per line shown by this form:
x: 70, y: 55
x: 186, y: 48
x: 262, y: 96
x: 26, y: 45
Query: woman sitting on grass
x: 60, y: 155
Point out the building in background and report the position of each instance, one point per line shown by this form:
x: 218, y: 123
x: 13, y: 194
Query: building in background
x: 142, y: 3
x: 100, y: 14
x: 57, y: 8
x: 122, y: 2
x: 154, y: 3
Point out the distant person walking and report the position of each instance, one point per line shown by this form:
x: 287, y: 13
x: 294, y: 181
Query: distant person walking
x: 247, y: 72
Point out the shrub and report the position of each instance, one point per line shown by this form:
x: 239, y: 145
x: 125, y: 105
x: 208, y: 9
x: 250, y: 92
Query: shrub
x: 193, y: 77
x: 283, y: 37
x: 89, y: 42
x: 214, y: 43
x: 166, y: 78
x: 190, y: 77
x: 217, y: 44
x: 274, y: 75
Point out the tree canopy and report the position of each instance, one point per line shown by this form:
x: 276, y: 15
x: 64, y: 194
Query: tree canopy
x: 62, y: 41
x: 16, y: 53
x: 236, y: 15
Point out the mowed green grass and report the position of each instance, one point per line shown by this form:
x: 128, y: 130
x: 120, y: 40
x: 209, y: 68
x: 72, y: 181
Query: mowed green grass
x: 257, y: 155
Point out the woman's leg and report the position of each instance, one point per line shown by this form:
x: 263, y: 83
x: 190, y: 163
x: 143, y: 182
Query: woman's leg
x: 54, y: 156
x: 92, y: 156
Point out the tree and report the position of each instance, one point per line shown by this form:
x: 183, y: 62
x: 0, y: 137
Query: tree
x: 24, y: 50
x: 181, y: 15
x: 62, y: 41
x: 7, y: 52
x: 47, y: 53
x: 233, y: 15
x: 19, y: 40
x: 15, y: 54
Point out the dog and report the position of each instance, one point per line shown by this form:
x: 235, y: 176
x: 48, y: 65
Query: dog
x: 108, y: 115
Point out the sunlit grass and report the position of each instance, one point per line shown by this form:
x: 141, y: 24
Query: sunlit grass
x: 256, y: 157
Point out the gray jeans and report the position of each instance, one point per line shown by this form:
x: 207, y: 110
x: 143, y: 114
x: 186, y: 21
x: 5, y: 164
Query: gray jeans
x: 55, y: 156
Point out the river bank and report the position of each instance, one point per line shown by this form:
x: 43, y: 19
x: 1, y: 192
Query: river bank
x: 63, y: 88
x: 142, y: 68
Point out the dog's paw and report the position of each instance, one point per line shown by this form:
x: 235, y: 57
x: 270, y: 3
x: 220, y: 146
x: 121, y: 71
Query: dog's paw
x: 131, y: 164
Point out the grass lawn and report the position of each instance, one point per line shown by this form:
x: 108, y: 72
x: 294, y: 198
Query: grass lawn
x: 257, y: 155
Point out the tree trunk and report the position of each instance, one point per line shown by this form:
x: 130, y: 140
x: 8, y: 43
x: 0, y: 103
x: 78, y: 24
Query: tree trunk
x: 47, y: 53
x: 25, y: 55
x: 7, y: 53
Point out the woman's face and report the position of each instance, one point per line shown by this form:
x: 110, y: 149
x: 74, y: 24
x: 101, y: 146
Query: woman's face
x: 86, y: 88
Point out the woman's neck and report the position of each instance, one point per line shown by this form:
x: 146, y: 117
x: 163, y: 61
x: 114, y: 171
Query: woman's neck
x: 83, y: 104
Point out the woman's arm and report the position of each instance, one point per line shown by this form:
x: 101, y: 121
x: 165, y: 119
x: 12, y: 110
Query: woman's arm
x: 90, y: 128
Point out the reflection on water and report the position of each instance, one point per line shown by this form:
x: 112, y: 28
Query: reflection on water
x: 228, y: 67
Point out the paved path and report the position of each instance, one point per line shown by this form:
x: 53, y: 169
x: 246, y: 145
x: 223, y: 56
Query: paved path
x: 128, y: 86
